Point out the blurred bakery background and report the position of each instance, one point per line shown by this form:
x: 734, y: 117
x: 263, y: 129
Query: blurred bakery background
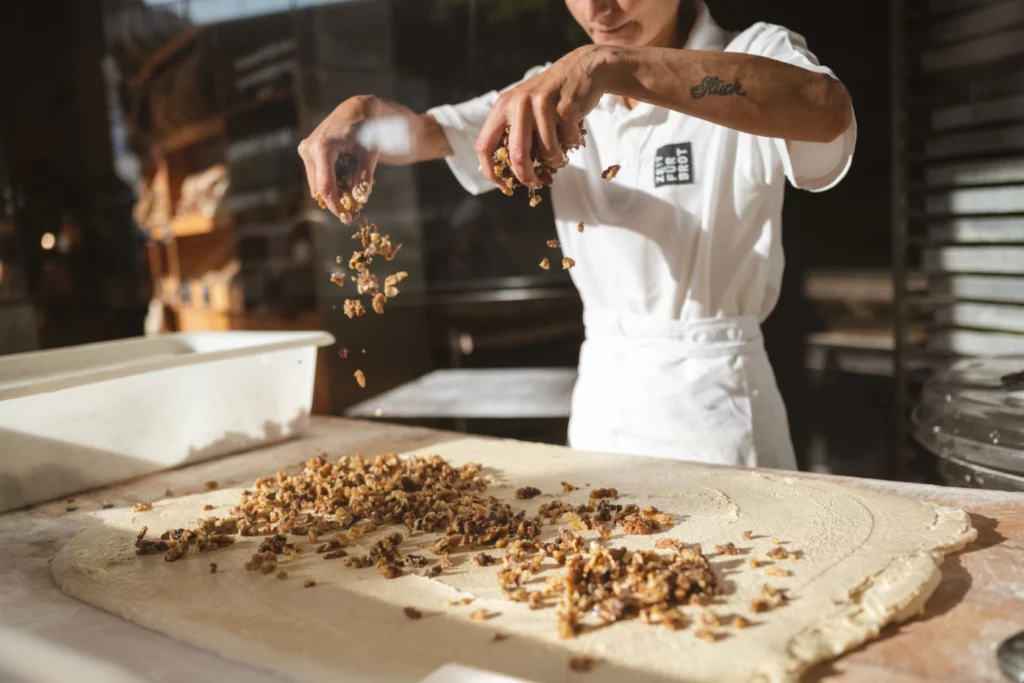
x: 149, y: 184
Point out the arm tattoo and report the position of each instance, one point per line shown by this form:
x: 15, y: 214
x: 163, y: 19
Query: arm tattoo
x: 712, y: 85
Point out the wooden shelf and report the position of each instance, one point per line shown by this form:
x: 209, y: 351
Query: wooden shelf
x: 215, y: 126
x: 184, y: 226
x: 163, y: 53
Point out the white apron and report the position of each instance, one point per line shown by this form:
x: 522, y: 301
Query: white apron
x: 689, y: 390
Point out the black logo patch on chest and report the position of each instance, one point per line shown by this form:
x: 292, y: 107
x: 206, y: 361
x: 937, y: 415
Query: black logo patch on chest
x: 673, y: 165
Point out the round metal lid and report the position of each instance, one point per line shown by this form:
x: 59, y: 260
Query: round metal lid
x: 973, y: 410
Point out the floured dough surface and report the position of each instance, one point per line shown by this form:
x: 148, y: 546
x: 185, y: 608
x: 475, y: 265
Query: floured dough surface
x: 864, y: 559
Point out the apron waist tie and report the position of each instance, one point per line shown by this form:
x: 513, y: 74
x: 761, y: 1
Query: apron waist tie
x: 699, y: 336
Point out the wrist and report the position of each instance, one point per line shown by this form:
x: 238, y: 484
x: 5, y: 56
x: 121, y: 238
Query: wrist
x: 611, y: 67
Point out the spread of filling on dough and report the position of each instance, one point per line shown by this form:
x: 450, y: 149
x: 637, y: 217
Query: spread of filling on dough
x: 362, y: 510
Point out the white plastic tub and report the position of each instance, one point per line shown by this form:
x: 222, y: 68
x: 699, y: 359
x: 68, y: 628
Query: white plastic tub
x: 81, y: 417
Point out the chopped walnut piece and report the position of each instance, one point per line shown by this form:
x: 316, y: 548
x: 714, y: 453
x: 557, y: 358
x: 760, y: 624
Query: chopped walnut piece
x: 740, y: 621
x: 554, y: 244
x: 604, y: 493
x: 581, y: 663
x: 168, y: 493
x: 778, y: 553
x: 343, y: 352
x: 567, y: 487
x: 611, y: 172
x: 413, y: 613
x: 636, y: 525
x: 213, y: 567
x: 535, y: 200
x: 777, y: 571
x: 480, y: 615
x: 545, y: 264
x: 308, y: 583
x: 706, y: 634
x: 580, y: 227
x: 360, y: 378
x: 142, y: 507
x: 338, y: 279
x: 207, y: 507
x: 107, y: 506
x: 378, y: 303
x: 710, y: 618
x: 755, y: 563
x: 497, y: 636
x: 210, y: 485
x: 335, y: 554
x: 460, y: 601
x: 70, y: 508
x: 747, y: 535
x: 776, y: 541
x: 669, y: 544
x: 758, y: 605
x: 727, y: 549
x: 354, y: 308
x: 482, y: 560
x: 282, y: 574
x: 527, y: 492
x: 568, y: 263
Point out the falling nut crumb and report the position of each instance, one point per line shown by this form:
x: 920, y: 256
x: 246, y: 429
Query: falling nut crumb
x: 142, y: 507
x: 568, y: 263
x: 338, y: 279
x: 343, y: 352
x: 378, y: 303
x: 213, y: 567
x: 747, y: 535
x: 545, y: 264
x: 554, y: 244
x: 581, y: 663
x: 579, y: 228
x: 535, y: 200
x: 354, y: 308
x: 308, y: 583
x: 610, y: 172
x: 360, y: 378
x: 413, y: 613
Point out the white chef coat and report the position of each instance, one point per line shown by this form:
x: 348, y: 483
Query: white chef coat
x: 680, y: 260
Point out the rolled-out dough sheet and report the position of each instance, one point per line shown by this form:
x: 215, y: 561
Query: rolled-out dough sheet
x: 864, y: 559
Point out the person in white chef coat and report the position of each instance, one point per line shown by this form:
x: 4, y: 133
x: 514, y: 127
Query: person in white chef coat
x: 681, y: 256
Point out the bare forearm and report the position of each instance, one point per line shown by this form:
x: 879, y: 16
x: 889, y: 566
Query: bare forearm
x: 401, y: 135
x: 748, y: 93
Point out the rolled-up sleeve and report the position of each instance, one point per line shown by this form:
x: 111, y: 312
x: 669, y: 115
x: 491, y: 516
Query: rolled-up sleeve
x: 814, y: 166
x: 461, y: 124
